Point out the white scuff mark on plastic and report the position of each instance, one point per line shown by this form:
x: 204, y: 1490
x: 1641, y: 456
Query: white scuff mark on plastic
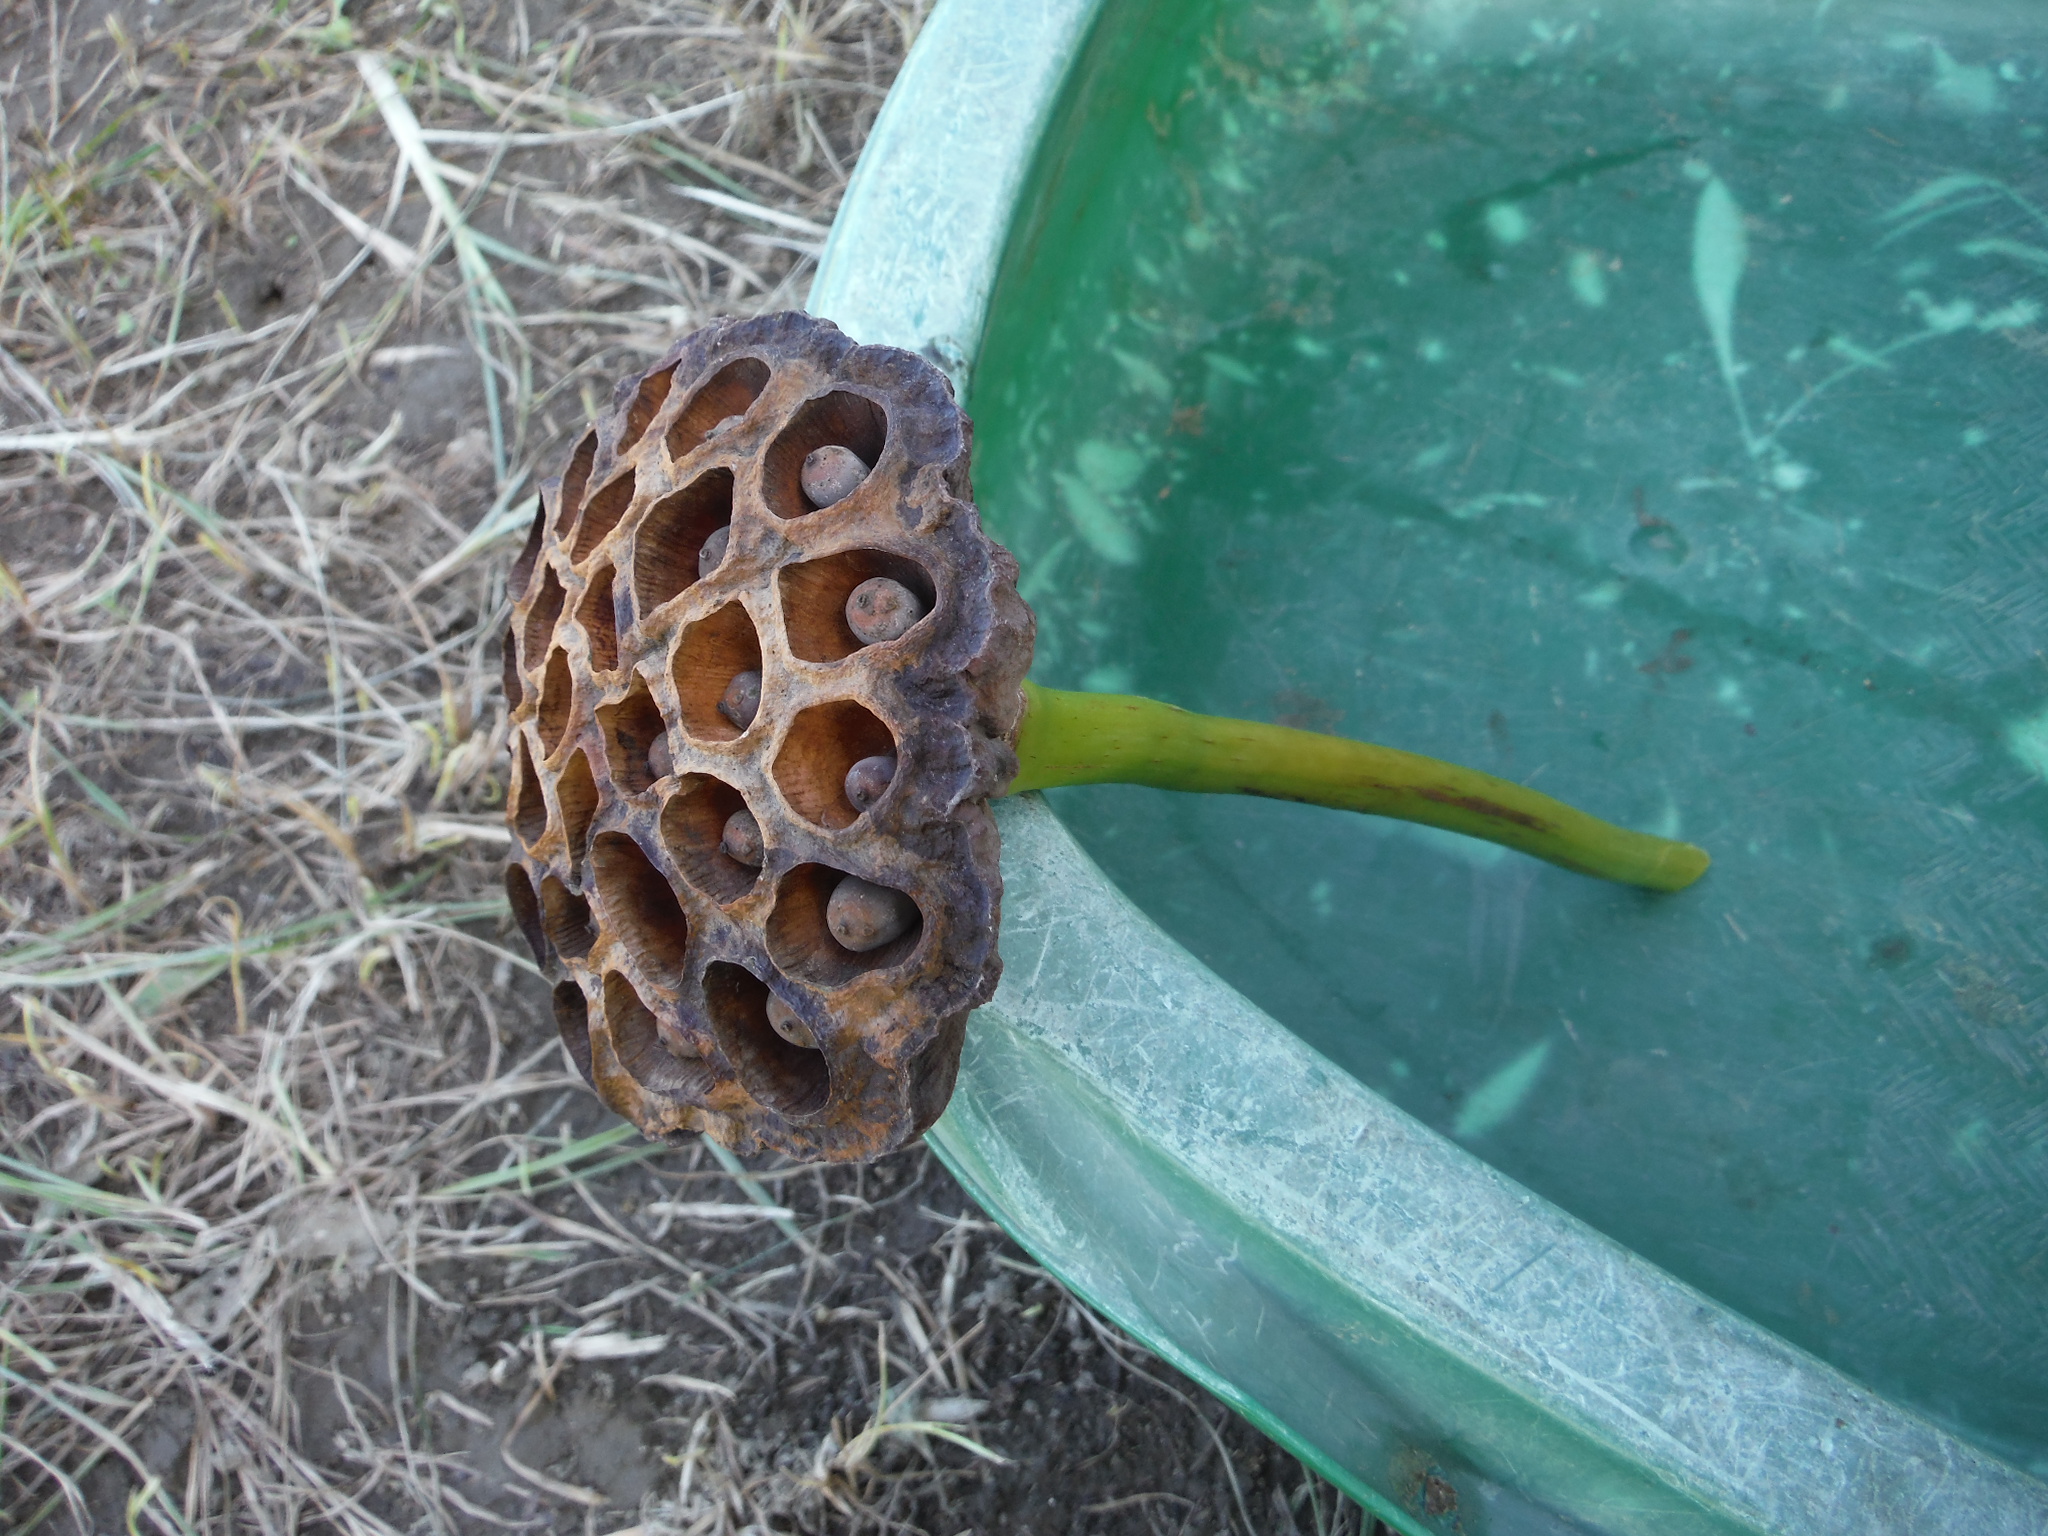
x: 2013, y: 250
x: 1144, y: 373
x: 2016, y: 316
x: 1112, y: 468
x: 1230, y: 368
x: 1720, y: 250
x: 1942, y: 318
x: 1096, y: 519
x: 2028, y: 741
x: 1494, y: 1100
x: 1588, y: 281
x: 1791, y: 475
x: 1095, y: 497
x: 1479, y: 506
x: 1968, y: 88
x: 1507, y: 223
x: 1432, y: 456
x: 1729, y: 696
x: 1107, y: 680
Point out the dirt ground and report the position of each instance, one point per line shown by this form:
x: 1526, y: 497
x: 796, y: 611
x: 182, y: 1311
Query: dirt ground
x: 306, y: 1224
x: 673, y: 1350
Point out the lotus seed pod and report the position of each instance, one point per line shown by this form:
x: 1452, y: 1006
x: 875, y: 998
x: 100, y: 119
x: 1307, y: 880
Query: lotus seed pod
x: 869, y: 779
x: 882, y: 608
x: 741, y: 839
x: 865, y: 916
x: 712, y: 555
x: 701, y: 984
x: 742, y: 699
x: 832, y: 473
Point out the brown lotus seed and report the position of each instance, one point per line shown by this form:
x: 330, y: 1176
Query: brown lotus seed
x: 783, y: 1020
x: 832, y: 473
x: 660, y: 762
x: 742, y: 700
x: 882, y: 608
x: 741, y: 839
x: 864, y: 916
x: 868, y: 779
x: 712, y: 555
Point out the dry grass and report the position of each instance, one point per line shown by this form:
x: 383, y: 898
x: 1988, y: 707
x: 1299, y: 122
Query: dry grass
x: 295, y: 308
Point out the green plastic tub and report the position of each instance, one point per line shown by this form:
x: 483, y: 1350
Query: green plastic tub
x: 1644, y: 401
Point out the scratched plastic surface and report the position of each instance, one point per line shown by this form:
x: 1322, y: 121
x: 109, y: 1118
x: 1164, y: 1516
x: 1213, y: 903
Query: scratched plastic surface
x: 1644, y: 402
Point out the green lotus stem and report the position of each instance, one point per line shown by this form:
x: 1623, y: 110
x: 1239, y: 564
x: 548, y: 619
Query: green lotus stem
x: 1118, y: 738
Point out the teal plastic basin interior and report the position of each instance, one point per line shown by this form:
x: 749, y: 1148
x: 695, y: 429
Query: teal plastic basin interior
x: 1642, y: 401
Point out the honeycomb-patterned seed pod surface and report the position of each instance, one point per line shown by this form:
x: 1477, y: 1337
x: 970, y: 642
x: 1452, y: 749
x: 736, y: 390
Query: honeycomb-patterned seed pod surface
x: 625, y: 770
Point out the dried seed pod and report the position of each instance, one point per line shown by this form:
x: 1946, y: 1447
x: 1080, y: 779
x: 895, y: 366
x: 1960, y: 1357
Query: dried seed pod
x: 832, y: 473
x: 741, y: 838
x: 702, y: 982
x: 869, y: 779
x: 882, y: 608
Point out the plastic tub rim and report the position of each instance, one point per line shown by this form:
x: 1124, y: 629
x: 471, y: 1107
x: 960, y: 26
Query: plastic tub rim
x: 1745, y: 1429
